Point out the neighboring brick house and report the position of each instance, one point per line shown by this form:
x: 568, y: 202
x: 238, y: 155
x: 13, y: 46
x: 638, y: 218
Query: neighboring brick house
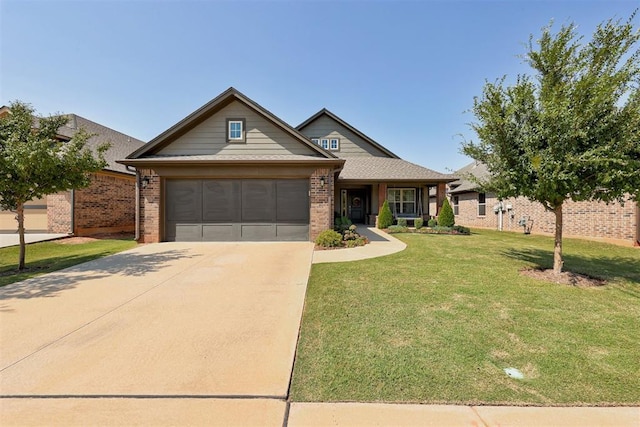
x: 613, y: 222
x: 106, y: 206
x: 232, y: 170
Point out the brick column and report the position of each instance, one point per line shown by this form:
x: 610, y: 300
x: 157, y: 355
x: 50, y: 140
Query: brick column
x: 440, y: 195
x: 321, y: 198
x: 59, y: 212
x: 382, y: 195
x: 150, y: 207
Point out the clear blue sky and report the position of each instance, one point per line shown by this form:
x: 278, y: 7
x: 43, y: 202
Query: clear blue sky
x: 403, y: 73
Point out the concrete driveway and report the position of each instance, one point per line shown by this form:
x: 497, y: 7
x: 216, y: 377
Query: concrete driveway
x: 205, y: 320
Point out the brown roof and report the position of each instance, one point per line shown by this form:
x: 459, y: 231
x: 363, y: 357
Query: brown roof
x: 466, y: 184
x: 386, y: 169
x: 329, y: 114
x: 121, y: 144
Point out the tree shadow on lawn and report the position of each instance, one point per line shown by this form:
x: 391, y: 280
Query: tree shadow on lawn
x: 601, y: 267
x: 133, y: 264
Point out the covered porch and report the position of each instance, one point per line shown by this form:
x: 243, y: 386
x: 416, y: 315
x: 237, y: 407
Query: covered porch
x: 361, y: 202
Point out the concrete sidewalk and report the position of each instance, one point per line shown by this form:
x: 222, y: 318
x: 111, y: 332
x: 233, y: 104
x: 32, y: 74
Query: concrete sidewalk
x: 169, y: 411
x: 12, y: 239
x: 379, y: 414
x: 381, y: 244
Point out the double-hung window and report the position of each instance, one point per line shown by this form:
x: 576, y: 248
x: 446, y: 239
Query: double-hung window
x: 482, y: 204
x: 334, y: 144
x: 236, y: 130
x: 456, y: 205
x: 402, y: 200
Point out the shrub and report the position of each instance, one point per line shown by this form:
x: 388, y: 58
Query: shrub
x: 329, y: 239
x: 418, y: 223
x: 341, y: 224
x: 461, y: 230
x: 360, y: 241
x: 397, y: 229
x: 432, y: 222
x: 446, y: 217
x: 385, y: 217
x: 350, y: 234
x: 402, y: 222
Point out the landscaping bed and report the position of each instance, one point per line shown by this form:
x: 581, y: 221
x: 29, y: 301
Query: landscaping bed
x: 442, y: 320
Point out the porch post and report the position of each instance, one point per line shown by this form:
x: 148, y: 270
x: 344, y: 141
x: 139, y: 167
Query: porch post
x: 440, y: 194
x: 382, y: 195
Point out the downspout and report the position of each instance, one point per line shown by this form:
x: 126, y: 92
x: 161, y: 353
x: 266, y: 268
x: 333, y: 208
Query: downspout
x: 73, y: 211
x: 137, y: 212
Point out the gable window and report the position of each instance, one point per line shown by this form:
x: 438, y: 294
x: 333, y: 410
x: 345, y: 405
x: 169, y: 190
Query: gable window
x: 332, y: 144
x: 482, y: 204
x: 456, y: 205
x: 402, y: 200
x: 236, y: 130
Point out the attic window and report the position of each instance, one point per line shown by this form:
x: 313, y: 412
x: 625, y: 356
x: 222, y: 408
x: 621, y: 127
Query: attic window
x: 236, y: 130
x: 332, y: 144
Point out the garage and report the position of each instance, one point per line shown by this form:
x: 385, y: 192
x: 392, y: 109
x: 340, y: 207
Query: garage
x: 236, y: 210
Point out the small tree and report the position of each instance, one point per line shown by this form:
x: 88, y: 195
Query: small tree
x: 445, y: 216
x: 385, y: 217
x: 34, y: 161
x: 574, y: 131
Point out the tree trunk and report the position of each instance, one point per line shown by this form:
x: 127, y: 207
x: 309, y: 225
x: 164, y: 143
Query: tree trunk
x: 557, y: 250
x: 20, y: 218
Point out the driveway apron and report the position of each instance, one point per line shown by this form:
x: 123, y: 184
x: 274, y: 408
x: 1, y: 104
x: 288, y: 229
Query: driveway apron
x: 171, y: 319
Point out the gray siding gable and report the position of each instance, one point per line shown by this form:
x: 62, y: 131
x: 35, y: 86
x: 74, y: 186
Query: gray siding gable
x: 351, y: 144
x: 262, y: 137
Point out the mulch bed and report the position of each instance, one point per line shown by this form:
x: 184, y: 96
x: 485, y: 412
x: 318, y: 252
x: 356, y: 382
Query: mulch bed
x: 81, y: 240
x: 564, y: 278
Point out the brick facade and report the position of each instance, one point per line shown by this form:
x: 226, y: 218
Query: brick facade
x: 150, y: 218
x: 59, y: 212
x: 107, y: 205
x: 598, y: 220
x: 321, y: 215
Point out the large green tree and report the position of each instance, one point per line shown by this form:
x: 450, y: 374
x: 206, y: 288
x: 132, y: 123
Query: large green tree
x: 35, y: 161
x: 570, y: 132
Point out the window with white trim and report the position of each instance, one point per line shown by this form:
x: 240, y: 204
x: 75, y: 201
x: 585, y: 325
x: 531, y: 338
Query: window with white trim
x: 402, y: 200
x: 235, y: 130
x: 456, y: 205
x: 482, y: 204
x: 332, y: 144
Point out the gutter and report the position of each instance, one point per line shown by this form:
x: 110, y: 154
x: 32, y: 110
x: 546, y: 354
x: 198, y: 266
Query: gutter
x: 137, y: 213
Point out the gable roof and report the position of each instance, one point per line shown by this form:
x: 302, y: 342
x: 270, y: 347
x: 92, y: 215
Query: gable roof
x: 465, y: 184
x: 332, y: 116
x: 121, y: 144
x: 210, y: 108
x: 387, y: 169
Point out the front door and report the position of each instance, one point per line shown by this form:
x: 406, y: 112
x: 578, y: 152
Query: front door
x: 356, y: 207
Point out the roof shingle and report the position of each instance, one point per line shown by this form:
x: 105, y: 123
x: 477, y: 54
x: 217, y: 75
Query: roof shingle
x: 388, y: 169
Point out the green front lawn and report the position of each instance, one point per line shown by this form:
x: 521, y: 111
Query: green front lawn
x: 438, y: 323
x: 46, y: 257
